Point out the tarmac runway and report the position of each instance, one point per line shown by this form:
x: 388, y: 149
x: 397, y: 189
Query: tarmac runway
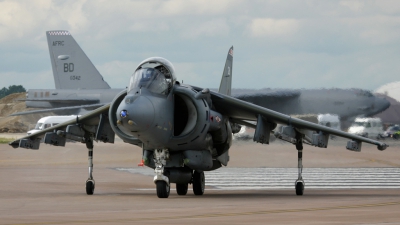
x: 284, y: 178
x: 48, y: 187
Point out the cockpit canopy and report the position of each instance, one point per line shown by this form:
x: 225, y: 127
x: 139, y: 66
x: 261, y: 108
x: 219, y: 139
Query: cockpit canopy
x: 155, y: 74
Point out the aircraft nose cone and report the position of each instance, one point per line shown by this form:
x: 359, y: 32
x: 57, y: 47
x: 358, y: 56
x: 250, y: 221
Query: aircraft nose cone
x: 136, y: 116
x: 386, y: 104
x: 380, y: 105
x: 383, y: 104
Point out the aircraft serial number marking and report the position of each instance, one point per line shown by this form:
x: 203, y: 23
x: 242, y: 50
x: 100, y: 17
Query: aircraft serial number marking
x: 75, y: 77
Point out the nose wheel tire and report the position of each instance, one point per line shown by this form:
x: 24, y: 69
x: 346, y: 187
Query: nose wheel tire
x: 162, y: 189
x: 299, y: 188
x: 182, y: 189
x: 90, y: 187
x: 199, y: 183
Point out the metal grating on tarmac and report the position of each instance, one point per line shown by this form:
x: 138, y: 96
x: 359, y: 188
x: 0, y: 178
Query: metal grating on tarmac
x: 284, y: 178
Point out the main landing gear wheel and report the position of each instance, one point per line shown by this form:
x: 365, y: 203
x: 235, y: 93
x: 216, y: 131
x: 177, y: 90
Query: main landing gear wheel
x: 90, y: 187
x: 162, y: 189
x: 199, y: 183
x: 299, y: 188
x: 182, y: 189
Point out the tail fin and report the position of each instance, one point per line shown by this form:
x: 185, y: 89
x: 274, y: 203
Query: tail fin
x: 72, y: 69
x: 226, y: 81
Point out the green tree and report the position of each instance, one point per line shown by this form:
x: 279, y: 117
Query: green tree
x: 11, y: 89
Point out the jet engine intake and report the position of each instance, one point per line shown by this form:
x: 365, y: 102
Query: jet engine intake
x: 196, y: 125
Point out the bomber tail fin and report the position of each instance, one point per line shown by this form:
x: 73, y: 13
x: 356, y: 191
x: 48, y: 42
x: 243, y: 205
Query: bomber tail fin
x: 226, y: 81
x: 72, y: 69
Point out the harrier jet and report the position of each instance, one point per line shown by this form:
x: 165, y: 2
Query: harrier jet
x: 183, y: 130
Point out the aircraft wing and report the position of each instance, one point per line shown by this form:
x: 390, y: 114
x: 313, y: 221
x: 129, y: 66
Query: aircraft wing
x: 66, y: 100
x: 95, y: 123
x: 61, y: 109
x: 240, y: 111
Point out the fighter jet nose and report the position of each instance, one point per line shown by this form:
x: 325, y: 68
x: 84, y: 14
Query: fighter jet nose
x: 135, y: 116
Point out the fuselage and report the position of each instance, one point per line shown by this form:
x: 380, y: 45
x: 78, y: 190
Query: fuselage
x: 346, y: 103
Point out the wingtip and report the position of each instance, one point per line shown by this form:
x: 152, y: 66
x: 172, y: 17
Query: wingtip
x: 14, y: 144
x: 382, y: 147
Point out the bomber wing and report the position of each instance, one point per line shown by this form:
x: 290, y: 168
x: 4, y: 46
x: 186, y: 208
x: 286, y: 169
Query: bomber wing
x: 240, y: 111
x: 61, y: 109
x: 66, y: 100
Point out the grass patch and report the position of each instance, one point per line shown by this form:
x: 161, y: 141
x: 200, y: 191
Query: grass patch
x: 6, y: 140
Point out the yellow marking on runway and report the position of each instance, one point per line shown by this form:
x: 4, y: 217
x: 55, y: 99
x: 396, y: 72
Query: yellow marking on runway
x: 211, y: 215
x: 384, y: 162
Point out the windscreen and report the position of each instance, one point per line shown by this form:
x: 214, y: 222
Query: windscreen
x: 152, y: 79
x: 38, y: 126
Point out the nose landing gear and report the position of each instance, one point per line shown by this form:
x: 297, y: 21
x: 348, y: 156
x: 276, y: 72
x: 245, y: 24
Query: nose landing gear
x: 161, y: 181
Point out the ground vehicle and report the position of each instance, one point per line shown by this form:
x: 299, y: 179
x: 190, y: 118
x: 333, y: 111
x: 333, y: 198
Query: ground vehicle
x: 392, y: 132
x: 49, y: 121
x: 367, y: 127
x: 329, y: 120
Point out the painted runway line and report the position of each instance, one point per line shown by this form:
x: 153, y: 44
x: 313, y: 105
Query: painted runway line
x: 284, y: 178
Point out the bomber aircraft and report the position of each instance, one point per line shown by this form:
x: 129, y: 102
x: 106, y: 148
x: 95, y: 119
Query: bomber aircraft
x: 183, y: 130
x: 79, y: 85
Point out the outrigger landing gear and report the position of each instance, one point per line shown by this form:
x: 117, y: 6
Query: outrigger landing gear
x: 161, y: 181
x: 90, y: 181
x: 299, y: 184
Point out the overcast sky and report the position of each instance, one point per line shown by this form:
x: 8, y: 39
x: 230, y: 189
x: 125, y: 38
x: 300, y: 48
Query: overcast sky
x: 277, y: 44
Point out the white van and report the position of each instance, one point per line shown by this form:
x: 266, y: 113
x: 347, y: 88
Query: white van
x: 367, y: 127
x: 50, y: 121
x: 329, y: 120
